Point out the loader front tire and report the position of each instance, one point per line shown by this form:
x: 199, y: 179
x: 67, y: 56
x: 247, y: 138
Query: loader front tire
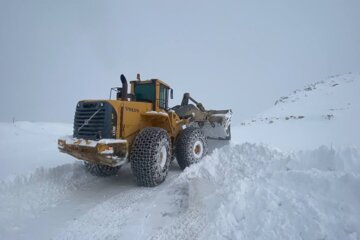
x: 101, y: 170
x: 191, y: 147
x: 150, y: 156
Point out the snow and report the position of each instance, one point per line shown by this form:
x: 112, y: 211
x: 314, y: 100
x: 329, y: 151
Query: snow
x: 270, y: 195
x: 112, y: 141
x: 26, y: 146
x: 291, y: 172
x: 90, y: 143
x: 157, y: 113
x: 107, y: 152
x: 326, y: 113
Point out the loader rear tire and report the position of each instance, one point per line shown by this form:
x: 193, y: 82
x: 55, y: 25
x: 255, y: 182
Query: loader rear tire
x: 191, y: 147
x: 101, y: 170
x: 150, y: 156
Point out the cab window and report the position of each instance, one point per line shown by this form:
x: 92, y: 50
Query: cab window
x: 163, y: 101
x: 144, y: 92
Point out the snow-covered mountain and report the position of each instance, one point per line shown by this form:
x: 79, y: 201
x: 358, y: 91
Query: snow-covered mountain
x: 291, y: 172
x: 323, y: 113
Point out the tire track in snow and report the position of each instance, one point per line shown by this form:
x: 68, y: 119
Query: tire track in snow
x: 138, y: 212
x: 190, y: 225
x: 117, y: 216
x: 42, y: 204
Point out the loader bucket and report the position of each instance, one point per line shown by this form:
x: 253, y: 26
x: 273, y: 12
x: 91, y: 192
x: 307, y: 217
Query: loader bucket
x: 217, y: 125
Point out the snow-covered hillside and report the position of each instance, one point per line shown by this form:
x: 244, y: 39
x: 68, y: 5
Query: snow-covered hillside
x: 304, y: 184
x: 324, y: 113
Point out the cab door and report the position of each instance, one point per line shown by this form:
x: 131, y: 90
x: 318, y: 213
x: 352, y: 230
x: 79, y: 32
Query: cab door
x: 164, y: 97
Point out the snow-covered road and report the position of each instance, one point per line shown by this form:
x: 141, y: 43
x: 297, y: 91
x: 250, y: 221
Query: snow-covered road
x: 44, y: 204
x: 41, y: 204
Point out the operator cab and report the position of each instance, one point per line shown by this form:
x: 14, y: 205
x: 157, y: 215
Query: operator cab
x: 152, y: 91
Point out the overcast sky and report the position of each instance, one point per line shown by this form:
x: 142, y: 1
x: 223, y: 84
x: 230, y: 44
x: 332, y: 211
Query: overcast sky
x: 229, y: 54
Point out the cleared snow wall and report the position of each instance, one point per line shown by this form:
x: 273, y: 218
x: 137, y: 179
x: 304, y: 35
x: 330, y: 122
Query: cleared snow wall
x: 252, y: 192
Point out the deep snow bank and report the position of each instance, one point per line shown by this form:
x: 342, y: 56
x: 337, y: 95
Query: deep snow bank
x: 252, y: 192
x: 26, y: 197
x: 26, y: 146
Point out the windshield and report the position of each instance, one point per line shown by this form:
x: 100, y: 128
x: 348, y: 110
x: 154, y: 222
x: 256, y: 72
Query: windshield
x: 144, y: 92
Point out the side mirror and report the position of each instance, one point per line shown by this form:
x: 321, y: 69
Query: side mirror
x: 171, y: 93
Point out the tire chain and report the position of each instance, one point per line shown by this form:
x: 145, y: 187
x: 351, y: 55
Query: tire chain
x: 101, y: 170
x: 184, y: 146
x: 145, y: 156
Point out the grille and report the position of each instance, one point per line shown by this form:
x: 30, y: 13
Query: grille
x: 94, y: 120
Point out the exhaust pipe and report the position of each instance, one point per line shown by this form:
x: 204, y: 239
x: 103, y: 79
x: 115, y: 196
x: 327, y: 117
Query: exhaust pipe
x: 124, y: 91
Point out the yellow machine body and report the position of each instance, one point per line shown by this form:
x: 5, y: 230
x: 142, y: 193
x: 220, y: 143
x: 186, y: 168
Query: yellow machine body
x: 131, y: 117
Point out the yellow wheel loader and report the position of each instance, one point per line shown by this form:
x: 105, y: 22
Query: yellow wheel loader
x: 139, y: 127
